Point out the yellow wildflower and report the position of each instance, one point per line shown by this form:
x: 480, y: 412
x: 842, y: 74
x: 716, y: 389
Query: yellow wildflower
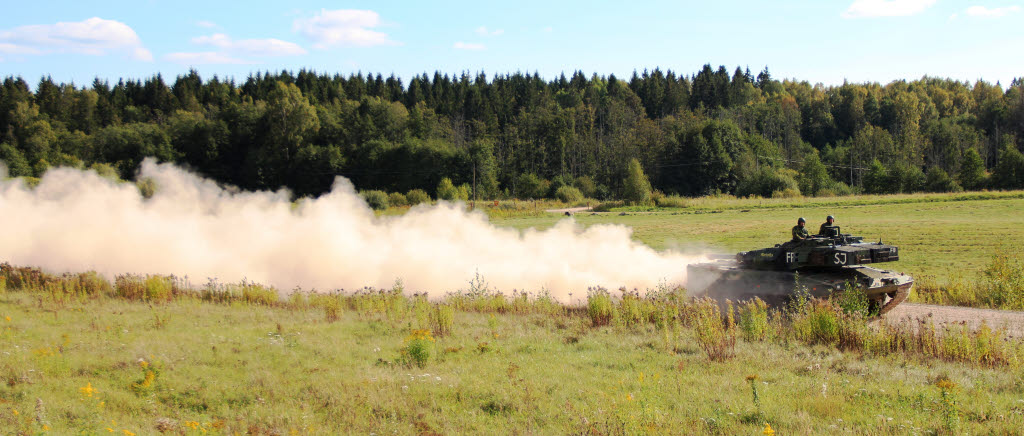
x: 46, y: 427
x: 110, y: 430
x: 128, y: 433
x: 752, y: 377
x: 7, y: 318
x: 768, y: 429
x: 641, y: 379
x: 144, y: 364
x: 629, y: 397
x: 15, y: 411
x: 945, y: 384
x: 88, y: 390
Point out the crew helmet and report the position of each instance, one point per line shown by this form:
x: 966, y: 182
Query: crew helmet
x: 801, y: 220
x: 830, y: 218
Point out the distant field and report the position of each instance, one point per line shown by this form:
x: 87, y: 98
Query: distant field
x: 940, y: 236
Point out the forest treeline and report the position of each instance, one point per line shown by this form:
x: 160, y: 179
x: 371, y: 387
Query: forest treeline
x: 518, y: 135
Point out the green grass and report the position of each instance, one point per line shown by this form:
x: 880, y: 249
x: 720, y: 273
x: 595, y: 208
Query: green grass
x: 254, y: 369
x: 941, y: 236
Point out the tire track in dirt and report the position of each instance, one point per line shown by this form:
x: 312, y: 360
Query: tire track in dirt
x: 1011, y: 321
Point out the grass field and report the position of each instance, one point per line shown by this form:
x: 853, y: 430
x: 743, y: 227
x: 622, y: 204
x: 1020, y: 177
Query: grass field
x: 79, y: 355
x: 104, y: 365
x: 942, y: 237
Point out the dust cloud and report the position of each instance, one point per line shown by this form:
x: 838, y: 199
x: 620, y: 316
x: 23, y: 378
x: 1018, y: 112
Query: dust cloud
x: 76, y: 221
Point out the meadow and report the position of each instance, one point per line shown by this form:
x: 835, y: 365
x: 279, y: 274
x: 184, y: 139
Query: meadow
x: 150, y: 355
x: 146, y: 356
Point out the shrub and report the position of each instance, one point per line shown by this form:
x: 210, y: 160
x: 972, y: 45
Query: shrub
x: 528, y: 185
x: 417, y: 348
x: 753, y: 320
x: 446, y: 190
x: 442, y: 319
x: 630, y: 312
x: 130, y: 287
x: 599, y: 307
x: 766, y: 181
x: 159, y: 289
x: 377, y: 200
x: 586, y: 186
x: 569, y: 194
x: 636, y: 187
x: 853, y: 300
x: 717, y: 339
x: 937, y: 180
x: 397, y: 199
x: 254, y: 293
x: 464, y: 191
x: 417, y: 196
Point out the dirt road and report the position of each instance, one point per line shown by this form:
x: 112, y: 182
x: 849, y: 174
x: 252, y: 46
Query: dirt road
x: 1013, y: 322
x: 570, y: 209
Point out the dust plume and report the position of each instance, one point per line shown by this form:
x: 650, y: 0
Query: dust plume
x: 76, y: 221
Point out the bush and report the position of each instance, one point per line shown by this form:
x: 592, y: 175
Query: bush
x: 586, y: 186
x: 569, y: 194
x: 159, y: 289
x: 754, y: 320
x: 717, y: 339
x: 397, y: 199
x: 442, y: 319
x: 636, y: 187
x: 937, y: 180
x: 599, y: 307
x: 528, y: 185
x: 417, y: 196
x: 377, y: 200
x: 417, y: 348
x: 766, y: 181
x: 447, y: 191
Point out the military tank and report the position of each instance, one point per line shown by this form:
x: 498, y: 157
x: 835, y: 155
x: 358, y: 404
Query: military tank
x: 820, y: 264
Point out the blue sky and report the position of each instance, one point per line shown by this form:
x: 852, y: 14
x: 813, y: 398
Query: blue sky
x: 818, y: 41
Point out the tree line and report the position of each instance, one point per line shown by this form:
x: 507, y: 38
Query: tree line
x: 518, y: 135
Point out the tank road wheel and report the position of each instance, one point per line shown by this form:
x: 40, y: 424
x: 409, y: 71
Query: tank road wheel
x: 895, y: 298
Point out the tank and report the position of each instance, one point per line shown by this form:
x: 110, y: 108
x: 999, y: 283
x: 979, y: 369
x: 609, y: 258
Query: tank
x: 820, y: 264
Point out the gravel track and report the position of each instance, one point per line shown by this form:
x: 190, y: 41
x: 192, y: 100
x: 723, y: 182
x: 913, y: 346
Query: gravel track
x: 1012, y: 321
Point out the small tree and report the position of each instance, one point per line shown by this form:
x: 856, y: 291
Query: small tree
x: 586, y: 186
x: 446, y: 190
x: 876, y: 181
x: 377, y: 200
x: 937, y: 180
x: 972, y: 171
x: 568, y: 194
x: 417, y: 196
x: 637, y: 189
x: 1009, y: 172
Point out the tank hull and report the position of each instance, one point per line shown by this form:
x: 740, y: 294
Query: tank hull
x: 725, y: 279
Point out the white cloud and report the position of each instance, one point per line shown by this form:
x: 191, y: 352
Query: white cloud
x: 344, y: 27
x: 469, y: 46
x: 484, y: 31
x: 981, y: 11
x: 257, y: 47
x: 206, y: 24
x: 203, y: 58
x: 94, y: 36
x: 886, y: 8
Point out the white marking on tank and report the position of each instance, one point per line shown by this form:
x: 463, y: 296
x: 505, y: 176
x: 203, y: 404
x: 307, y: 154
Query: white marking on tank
x: 841, y: 261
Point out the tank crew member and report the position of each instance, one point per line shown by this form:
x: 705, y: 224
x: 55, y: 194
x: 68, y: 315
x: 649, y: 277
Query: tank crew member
x: 799, y: 232
x: 829, y: 222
